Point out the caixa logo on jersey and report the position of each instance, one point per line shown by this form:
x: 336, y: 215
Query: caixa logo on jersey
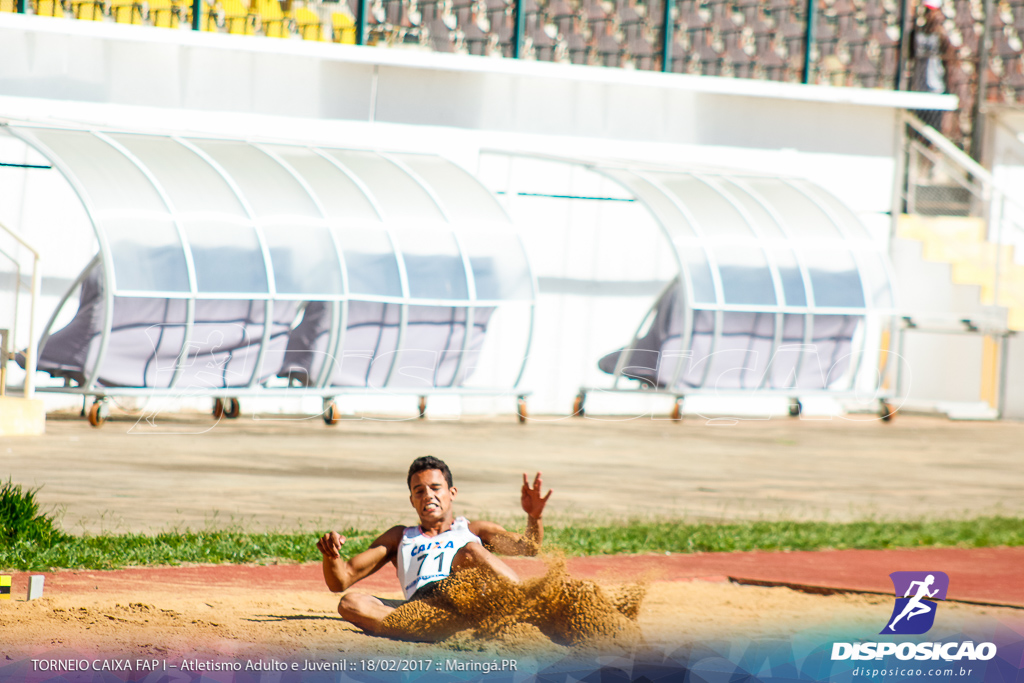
x: 917, y: 594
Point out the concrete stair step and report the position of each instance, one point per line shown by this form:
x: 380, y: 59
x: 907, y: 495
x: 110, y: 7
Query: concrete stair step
x: 978, y: 266
x: 981, y: 255
x: 941, y: 228
x: 927, y: 291
x: 958, y: 246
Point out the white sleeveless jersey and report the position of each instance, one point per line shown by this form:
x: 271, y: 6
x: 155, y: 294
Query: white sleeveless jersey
x: 426, y: 559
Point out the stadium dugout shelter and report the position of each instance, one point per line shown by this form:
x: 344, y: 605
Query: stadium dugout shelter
x: 235, y: 269
x: 780, y: 291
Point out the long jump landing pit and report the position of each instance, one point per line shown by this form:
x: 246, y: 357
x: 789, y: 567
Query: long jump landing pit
x: 284, y: 611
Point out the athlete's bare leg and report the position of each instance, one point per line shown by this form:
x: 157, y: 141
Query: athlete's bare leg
x: 364, y: 611
x: 474, y: 555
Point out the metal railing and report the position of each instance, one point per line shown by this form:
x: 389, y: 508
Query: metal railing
x: 30, y: 353
x: 942, y: 180
x: 798, y: 41
x: 937, y: 178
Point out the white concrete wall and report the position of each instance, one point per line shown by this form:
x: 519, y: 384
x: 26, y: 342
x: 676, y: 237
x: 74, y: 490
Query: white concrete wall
x: 1005, y: 156
x: 154, y: 79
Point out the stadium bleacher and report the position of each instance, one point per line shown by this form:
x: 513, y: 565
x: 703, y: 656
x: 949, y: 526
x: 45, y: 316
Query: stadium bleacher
x: 856, y: 43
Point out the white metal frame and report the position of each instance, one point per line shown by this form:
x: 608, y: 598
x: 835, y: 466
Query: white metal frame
x: 321, y: 385
x: 687, y: 306
x: 30, y: 353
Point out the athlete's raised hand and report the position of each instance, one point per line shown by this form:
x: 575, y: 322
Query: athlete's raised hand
x: 330, y: 544
x: 533, y: 503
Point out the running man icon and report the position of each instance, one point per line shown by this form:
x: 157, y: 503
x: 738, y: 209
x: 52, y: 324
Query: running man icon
x: 915, y: 606
x: 923, y: 585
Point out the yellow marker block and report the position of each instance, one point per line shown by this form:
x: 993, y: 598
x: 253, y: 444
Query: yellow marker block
x: 5, y: 588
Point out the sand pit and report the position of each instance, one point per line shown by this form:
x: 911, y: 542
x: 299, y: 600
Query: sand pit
x: 177, y: 621
x: 552, y: 609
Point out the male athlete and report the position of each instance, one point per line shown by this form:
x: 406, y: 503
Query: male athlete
x: 425, y: 554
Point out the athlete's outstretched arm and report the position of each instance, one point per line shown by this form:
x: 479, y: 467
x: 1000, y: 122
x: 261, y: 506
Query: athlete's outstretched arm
x: 340, y: 574
x: 533, y: 505
x: 503, y: 542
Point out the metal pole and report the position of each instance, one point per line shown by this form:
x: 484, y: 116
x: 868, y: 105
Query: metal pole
x: 197, y: 15
x: 668, y: 33
x: 361, y: 22
x: 984, y: 45
x: 30, y: 353
x: 518, y: 30
x: 906, y: 17
x: 812, y: 15
x: 899, y: 181
x: 1004, y: 357
x: 998, y: 247
x: 3, y: 360
x: 22, y: 6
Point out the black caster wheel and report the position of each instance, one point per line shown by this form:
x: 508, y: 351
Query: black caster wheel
x: 98, y: 413
x: 423, y: 407
x: 232, y: 408
x: 886, y: 412
x: 218, y: 408
x: 577, y: 404
x: 521, y: 409
x: 331, y: 415
x: 795, y: 408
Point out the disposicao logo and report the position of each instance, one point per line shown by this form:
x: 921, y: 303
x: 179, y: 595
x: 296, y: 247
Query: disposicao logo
x: 914, y: 613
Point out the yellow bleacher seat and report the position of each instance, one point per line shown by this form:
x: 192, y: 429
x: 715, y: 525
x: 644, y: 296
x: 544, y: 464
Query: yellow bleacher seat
x: 343, y: 28
x: 89, y: 10
x: 238, y: 20
x: 8, y: 6
x: 127, y: 11
x: 272, y: 18
x: 49, y: 8
x: 308, y: 24
x: 165, y: 13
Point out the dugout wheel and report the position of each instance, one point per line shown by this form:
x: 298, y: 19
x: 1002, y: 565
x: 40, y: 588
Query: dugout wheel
x: 795, y: 408
x: 578, y: 403
x: 331, y: 414
x: 521, y: 408
x: 232, y: 408
x: 423, y: 407
x: 886, y: 411
x: 677, y: 409
x: 99, y: 411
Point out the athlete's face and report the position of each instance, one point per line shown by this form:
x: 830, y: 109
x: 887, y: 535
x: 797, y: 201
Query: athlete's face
x: 430, y: 496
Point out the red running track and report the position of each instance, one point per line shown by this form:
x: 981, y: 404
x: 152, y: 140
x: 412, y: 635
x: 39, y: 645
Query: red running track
x: 984, y: 575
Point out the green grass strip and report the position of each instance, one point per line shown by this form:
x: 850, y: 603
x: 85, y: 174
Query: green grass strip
x: 237, y: 547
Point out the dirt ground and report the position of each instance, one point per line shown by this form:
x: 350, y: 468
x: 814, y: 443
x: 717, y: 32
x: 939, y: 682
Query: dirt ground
x: 167, y: 623
x: 190, y: 471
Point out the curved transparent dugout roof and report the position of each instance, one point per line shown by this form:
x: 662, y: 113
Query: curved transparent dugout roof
x: 780, y: 286
x: 210, y: 218
x: 763, y: 244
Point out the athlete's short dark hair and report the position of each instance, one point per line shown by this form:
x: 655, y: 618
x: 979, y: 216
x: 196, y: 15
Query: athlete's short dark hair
x: 429, y: 462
